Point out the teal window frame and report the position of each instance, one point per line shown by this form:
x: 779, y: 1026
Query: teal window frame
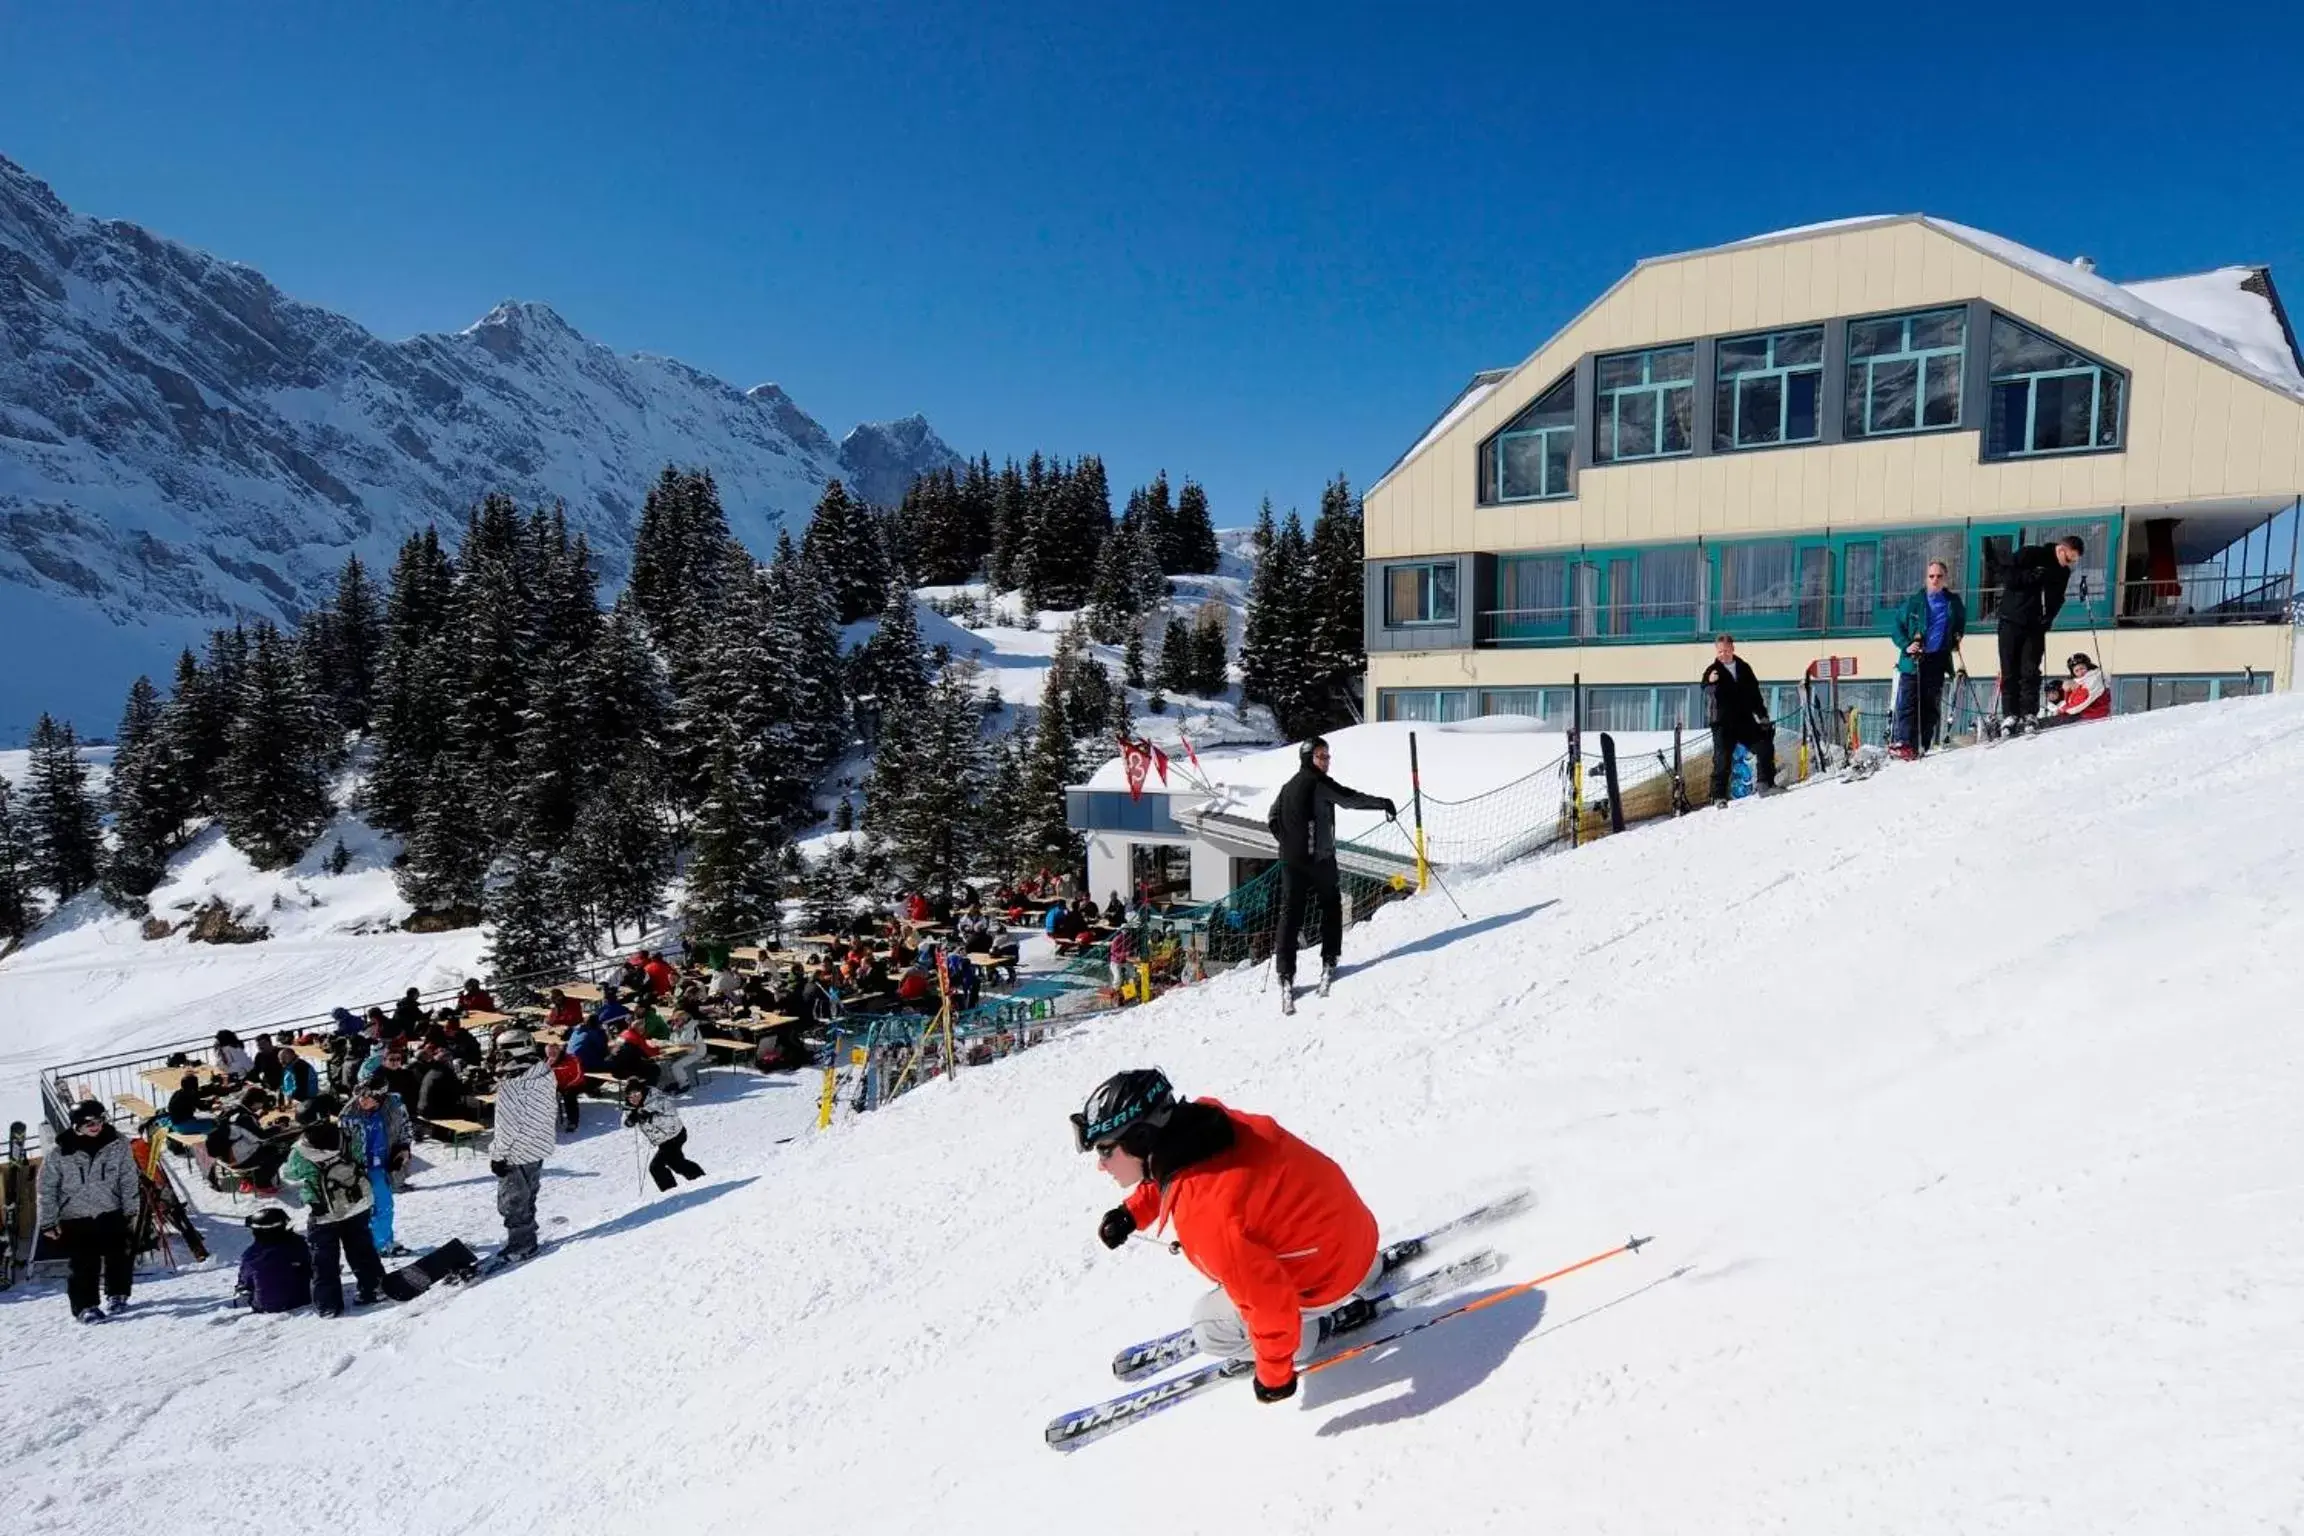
x: 1548, y: 425
x: 1663, y: 394
x: 2102, y: 535
x: 1520, y: 623
x: 1811, y: 558
x: 1604, y: 597
x: 1925, y: 361
x: 1430, y: 586
x: 2107, y: 393
x: 1730, y: 391
x: 1447, y: 704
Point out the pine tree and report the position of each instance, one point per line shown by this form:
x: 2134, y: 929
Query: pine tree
x: 1193, y: 538
x: 356, y: 635
x: 889, y: 672
x: 1211, y: 649
x: 845, y: 543
x: 1011, y: 530
x: 18, y: 910
x: 806, y: 651
x: 1132, y: 658
x: 680, y: 562
x: 733, y: 882
x: 443, y: 870
x: 1275, y: 649
x: 144, y: 801
x: 489, y: 640
x: 60, y: 816
x: 1043, y: 835
x: 410, y: 703
x: 274, y: 784
x: 628, y: 700
x: 619, y: 856
x: 928, y: 781
x: 1179, y: 661
x: 1334, y: 598
x: 527, y: 913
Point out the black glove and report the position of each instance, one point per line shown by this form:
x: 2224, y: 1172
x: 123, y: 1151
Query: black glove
x: 631, y: 1117
x: 1116, y: 1226
x: 497, y: 1166
x: 1391, y: 811
x: 1265, y: 1394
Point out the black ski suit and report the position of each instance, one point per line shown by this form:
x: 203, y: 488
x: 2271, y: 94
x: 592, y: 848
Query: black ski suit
x: 1303, y: 823
x: 1739, y: 717
x: 2030, y: 599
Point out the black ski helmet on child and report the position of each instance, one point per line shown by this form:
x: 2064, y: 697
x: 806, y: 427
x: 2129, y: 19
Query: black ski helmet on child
x: 1308, y: 746
x: 272, y: 1218
x: 1122, y: 1102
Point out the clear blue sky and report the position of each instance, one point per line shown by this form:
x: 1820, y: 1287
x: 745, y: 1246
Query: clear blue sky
x: 1255, y: 244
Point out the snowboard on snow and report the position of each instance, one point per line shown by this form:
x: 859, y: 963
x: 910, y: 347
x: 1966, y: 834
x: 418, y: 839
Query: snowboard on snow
x: 451, y: 1261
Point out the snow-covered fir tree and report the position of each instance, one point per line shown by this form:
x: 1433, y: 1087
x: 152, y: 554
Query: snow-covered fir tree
x: 529, y: 935
x: 734, y: 884
x: 888, y: 673
x: 844, y: 542
x: 145, y: 800
x: 59, y: 815
x: 619, y: 857
x: 410, y: 701
x: 273, y: 788
x: 356, y: 640
x: 1191, y: 548
x: 1179, y: 657
x: 923, y: 799
x: 19, y: 910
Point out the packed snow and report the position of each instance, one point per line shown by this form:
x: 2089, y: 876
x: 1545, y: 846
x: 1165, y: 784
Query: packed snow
x: 1959, y: 1103
x: 2219, y: 302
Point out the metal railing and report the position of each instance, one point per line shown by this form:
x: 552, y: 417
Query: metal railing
x: 2208, y: 598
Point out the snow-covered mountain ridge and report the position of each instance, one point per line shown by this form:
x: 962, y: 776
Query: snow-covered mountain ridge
x: 180, y: 442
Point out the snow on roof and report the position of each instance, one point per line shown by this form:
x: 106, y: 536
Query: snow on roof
x: 1482, y: 386
x: 2235, y: 303
x: 1796, y: 231
x: 2129, y: 305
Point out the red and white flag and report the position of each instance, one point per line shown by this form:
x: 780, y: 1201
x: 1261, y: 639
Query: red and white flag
x: 1160, y: 762
x: 1190, y: 756
x: 1134, y: 761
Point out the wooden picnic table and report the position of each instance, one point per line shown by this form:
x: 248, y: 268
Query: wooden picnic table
x: 140, y: 1108
x: 582, y: 991
x: 733, y: 1047
x: 311, y: 1052
x: 480, y: 1018
x: 166, y: 1079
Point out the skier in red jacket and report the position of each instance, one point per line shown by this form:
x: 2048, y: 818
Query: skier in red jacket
x: 1274, y: 1222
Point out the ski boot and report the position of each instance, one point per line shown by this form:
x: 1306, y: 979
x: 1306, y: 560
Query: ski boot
x: 1288, y: 999
x: 1327, y: 977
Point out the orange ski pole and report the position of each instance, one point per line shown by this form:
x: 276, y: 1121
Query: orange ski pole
x: 1629, y: 1245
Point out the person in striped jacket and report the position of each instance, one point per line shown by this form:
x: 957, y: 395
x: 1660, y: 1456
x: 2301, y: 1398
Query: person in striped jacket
x: 527, y: 1112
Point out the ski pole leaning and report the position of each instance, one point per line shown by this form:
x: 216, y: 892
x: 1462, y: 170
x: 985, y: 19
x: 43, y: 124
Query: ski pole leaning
x: 1629, y: 1245
x: 1394, y: 818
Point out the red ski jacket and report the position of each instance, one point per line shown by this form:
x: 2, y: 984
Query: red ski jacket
x: 1272, y: 1220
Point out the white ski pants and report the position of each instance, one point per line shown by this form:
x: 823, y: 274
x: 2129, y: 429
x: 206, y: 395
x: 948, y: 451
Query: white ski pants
x: 1219, y: 1330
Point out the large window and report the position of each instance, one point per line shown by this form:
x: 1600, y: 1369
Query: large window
x: 1097, y: 810
x: 1419, y: 594
x: 1644, y: 404
x: 1767, y: 389
x: 1672, y: 588
x: 1433, y: 706
x: 1528, y: 458
x: 1758, y: 579
x: 1904, y: 559
x: 2047, y: 398
x: 1904, y: 372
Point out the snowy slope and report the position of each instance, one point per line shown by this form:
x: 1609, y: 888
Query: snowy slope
x: 1960, y: 1103
x: 180, y: 442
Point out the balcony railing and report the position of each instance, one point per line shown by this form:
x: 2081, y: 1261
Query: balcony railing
x: 2209, y: 599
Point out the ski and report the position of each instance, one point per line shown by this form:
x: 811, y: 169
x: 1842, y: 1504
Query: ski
x: 1138, y: 1361
x: 1070, y: 1431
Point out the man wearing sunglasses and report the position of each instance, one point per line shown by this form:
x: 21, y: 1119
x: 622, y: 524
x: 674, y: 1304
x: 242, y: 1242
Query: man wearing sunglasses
x: 1273, y: 1221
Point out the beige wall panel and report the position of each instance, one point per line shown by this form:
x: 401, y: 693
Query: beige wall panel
x: 2211, y: 437
x: 1795, y: 296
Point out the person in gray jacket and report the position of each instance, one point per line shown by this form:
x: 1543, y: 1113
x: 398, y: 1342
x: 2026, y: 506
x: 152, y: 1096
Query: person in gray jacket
x: 527, y: 1117
x: 658, y: 1122
x: 89, y: 1193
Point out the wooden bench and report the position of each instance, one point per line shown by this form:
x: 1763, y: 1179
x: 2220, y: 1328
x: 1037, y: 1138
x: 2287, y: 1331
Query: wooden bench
x: 461, y: 1133
x: 140, y: 1108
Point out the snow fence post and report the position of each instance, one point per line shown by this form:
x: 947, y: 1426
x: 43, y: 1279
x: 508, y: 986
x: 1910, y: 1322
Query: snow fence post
x: 1416, y: 799
x: 1576, y: 762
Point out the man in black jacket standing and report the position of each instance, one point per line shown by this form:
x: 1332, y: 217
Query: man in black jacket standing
x: 1739, y: 717
x: 1303, y: 823
x: 2030, y: 599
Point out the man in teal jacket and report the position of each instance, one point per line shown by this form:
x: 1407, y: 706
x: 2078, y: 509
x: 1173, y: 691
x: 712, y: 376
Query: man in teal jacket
x: 1928, y: 632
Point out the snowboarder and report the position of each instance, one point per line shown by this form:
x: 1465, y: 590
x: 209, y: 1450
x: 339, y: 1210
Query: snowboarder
x: 339, y: 1200
x: 1274, y: 1222
x: 1303, y: 823
x: 89, y: 1196
x: 2030, y: 599
x: 276, y: 1269
x: 527, y: 1106
x: 1739, y: 717
x: 652, y: 1114
x: 1928, y: 633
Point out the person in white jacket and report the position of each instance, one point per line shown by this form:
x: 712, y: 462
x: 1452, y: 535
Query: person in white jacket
x: 683, y: 1051
x: 659, y: 1124
x: 527, y: 1120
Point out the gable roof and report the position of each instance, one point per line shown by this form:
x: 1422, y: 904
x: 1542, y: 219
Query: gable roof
x: 2231, y: 316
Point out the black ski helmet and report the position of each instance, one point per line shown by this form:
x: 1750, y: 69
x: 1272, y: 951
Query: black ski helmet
x: 272, y: 1218
x: 1122, y: 1102
x: 87, y: 1110
x: 2078, y: 659
x: 1308, y: 746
